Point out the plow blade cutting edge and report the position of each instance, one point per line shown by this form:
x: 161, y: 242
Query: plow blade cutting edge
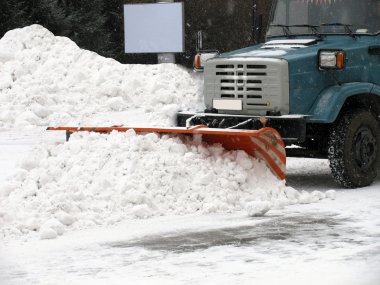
x: 265, y: 144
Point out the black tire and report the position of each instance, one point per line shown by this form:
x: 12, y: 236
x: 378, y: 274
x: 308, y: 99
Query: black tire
x: 354, y: 149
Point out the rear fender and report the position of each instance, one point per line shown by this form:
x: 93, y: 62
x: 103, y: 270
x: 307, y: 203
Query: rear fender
x: 330, y: 102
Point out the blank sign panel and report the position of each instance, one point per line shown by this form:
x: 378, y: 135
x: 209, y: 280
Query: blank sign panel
x: 154, y: 28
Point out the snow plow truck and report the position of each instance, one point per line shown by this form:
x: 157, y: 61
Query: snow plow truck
x: 312, y: 89
x: 315, y: 79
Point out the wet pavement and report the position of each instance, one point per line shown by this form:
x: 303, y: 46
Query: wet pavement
x: 310, y: 228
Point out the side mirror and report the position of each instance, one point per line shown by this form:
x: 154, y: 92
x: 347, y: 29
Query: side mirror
x: 202, y: 54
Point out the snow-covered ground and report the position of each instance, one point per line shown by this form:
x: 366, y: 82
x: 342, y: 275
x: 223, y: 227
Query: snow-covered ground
x: 125, y: 208
x: 329, y: 242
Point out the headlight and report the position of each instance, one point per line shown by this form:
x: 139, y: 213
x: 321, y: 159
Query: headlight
x: 331, y: 59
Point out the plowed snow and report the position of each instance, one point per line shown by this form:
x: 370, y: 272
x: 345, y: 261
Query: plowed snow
x: 102, y: 179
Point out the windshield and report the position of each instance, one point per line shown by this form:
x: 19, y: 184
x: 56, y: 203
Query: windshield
x: 295, y: 17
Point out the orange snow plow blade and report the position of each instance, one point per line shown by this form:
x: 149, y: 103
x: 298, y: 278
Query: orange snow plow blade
x: 265, y: 144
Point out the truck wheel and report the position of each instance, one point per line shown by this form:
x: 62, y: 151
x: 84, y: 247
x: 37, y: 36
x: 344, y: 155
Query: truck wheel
x: 354, y: 149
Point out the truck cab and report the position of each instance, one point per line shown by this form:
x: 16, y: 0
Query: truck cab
x: 315, y: 79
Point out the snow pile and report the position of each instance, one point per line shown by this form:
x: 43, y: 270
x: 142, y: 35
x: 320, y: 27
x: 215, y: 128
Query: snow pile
x: 103, y: 179
x: 48, y: 80
x: 97, y: 179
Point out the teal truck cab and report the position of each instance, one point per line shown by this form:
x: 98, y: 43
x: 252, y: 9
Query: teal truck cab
x: 315, y: 79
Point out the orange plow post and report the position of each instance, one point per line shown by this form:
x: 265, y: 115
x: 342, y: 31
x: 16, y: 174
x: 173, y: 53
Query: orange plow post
x: 265, y: 144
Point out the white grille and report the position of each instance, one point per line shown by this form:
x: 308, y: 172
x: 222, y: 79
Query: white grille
x: 262, y: 84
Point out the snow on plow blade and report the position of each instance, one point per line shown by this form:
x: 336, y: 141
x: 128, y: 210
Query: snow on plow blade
x: 265, y: 144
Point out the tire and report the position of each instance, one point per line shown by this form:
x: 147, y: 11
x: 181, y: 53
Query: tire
x: 354, y: 149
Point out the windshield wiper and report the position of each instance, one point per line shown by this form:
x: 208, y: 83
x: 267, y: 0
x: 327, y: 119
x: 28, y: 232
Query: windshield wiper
x: 287, y: 32
x: 285, y: 29
x: 346, y: 27
x: 313, y: 28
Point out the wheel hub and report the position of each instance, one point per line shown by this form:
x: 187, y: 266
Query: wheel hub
x: 365, y: 148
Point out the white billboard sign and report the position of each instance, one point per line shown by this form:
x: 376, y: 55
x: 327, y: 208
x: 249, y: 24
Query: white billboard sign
x: 154, y: 28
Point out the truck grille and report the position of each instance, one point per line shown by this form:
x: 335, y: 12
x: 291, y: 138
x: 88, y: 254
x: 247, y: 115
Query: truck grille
x: 259, y: 83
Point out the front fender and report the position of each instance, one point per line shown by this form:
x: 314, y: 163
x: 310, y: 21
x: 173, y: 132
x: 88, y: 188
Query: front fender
x: 329, y: 103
